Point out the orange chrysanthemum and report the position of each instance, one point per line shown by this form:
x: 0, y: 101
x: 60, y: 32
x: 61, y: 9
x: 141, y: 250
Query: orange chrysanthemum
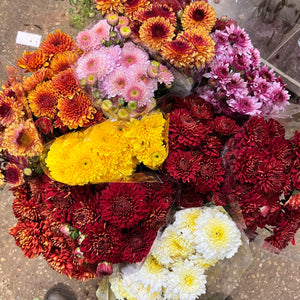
x: 131, y: 6
x: 32, y: 61
x: 156, y: 31
x: 22, y: 140
x: 76, y: 111
x: 155, y: 10
x: 37, y: 77
x: 58, y: 42
x: 66, y: 83
x: 43, y: 100
x: 11, y: 111
x: 202, y: 41
x: 179, y: 52
x: 110, y: 6
x: 198, y: 14
x: 63, y: 61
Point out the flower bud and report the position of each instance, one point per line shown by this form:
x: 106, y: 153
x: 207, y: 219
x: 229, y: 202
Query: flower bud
x: 123, y: 21
x: 75, y: 234
x: 152, y: 71
x: 106, y: 105
x: 155, y: 63
x: 132, y: 105
x: 81, y: 237
x: 78, y: 253
x: 27, y: 172
x: 104, y: 269
x: 113, y: 34
x: 112, y: 19
x: 125, y: 31
x: 83, y: 82
x: 91, y: 79
x: 121, y: 101
x: 123, y: 113
x: 96, y: 94
x: 66, y: 230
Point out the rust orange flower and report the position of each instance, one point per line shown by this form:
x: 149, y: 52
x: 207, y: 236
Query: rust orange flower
x: 198, y: 13
x: 63, y: 61
x: 32, y: 61
x: 179, y: 52
x: 58, y: 42
x: 10, y: 110
x: 37, y: 77
x: 66, y: 84
x: 43, y: 100
x: 110, y: 6
x: 22, y: 140
x: 131, y: 6
x: 156, y: 31
x: 202, y: 42
x: 76, y: 111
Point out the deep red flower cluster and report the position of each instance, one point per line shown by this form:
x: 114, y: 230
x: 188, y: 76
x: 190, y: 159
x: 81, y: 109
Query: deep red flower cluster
x: 197, y: 136
x: 76, y: 228
x: 263, y: 171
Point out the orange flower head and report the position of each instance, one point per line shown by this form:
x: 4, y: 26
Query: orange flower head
x: 11, y: 111
x: 22, y: 140
x: 76, y: 111
x: 66, y: 84
x: 32, y: 61
x: 106, y: 6
x: 203, y: 43
x: 37, y: 77
x: 155, y: 32
x: 63, y: 61
x: 43, y: 100
x: 131, y: 6
x: 58, y: 42
x: 198, y: 14
x: 179, y: 52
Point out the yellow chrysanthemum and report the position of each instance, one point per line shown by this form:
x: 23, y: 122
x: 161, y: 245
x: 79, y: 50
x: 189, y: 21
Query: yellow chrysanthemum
x: 198, y: 14
x: 106, y: 6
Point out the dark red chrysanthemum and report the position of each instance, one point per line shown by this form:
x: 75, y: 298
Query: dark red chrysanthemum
x: 295, y: 140
x: 210, y: 174
x: 102, y: 242
x: 190, y: 198
x: 44, y: 125
x: 183, y: 165
x: 123, y: 205
x: 13, y: 175
x: 138, y: 243
x: 186, y: 130
x: 276, y: 130
x: 212, y: 145
x: 295, y: 174
x: 219, y: 199
x: 225, y: 125
x: 257, y: 132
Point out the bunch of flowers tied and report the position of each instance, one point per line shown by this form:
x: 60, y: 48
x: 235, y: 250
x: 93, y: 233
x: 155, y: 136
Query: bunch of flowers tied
x: 80, y: 135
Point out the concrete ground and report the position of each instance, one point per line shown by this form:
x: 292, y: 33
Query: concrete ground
x: 268, y: 276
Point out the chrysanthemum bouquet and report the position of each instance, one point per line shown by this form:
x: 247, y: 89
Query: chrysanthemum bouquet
x: 113, y: 144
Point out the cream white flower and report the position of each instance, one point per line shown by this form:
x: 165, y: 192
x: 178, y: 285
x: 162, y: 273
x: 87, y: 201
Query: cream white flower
x: 172, y: 246
x: 186, y: 282
x: 216, y: 234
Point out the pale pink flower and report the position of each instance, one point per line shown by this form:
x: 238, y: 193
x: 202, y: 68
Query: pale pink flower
x: 131, y: 55
x: 165, y: 75
x: 86, y: 40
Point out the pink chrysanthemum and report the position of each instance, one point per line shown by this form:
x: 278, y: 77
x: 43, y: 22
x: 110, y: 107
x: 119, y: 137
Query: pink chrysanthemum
x: 114, y: 52
x: 132, y: 55
x: 86, y: 40
x: 116, y: 82
x: 164, y: 75
x: 137, y: 92
x: 95, y: 62
x: 101, y: 29
x: 139, y: 74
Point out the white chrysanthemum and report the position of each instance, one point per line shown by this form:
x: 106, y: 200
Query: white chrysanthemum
x: 216, y: 234
x: 199, y: 260
x: 120, y: 288
x: 186, y: 282
x: 185, y: 221
x: 172, y: 246
x: 148, y: 274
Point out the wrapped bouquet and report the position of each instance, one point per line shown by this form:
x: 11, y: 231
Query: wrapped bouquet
x: 124, y: 148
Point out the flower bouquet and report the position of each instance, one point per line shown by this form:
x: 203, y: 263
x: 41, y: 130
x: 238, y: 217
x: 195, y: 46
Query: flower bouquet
x: 123, y: 148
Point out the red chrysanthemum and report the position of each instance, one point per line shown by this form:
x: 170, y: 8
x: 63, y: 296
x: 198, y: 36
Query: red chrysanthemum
x: 138, y: 243
x: 102, y: 243
x: 29, y: 237
x: 186, y: 130
x: 210, y: 174
x: 182, y: 165
x: 190, y: 198
x: 13, y: 175
x: 123, y: 205
x: 58, y: 42
x: 212, y: 145
x: 276, y: 130
x: 225, y: 125
x: 26, y: 209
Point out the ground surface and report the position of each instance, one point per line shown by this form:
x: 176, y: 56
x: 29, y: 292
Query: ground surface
x: 268, y: 276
